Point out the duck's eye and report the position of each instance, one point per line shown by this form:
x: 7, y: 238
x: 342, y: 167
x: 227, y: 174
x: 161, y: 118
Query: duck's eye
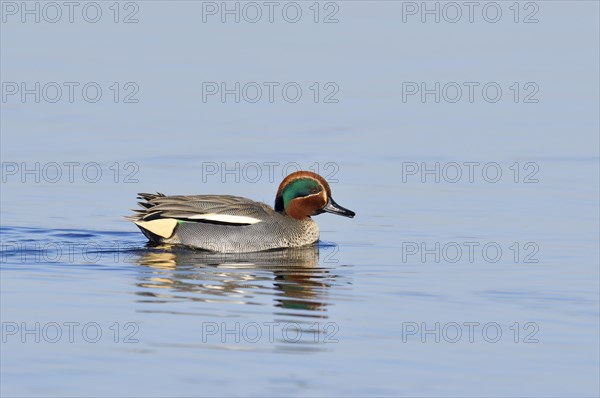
x: 314, y: 190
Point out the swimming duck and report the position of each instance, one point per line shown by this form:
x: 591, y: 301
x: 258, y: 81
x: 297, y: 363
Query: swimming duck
x: 233, y: 224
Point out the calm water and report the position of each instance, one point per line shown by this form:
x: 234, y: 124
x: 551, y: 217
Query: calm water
x: 471, y: 268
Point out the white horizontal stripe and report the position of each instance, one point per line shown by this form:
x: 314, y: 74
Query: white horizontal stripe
x: 226, y: 218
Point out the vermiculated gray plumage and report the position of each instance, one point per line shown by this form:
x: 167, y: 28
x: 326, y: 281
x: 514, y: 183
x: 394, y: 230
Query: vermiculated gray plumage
x: 274, y: 229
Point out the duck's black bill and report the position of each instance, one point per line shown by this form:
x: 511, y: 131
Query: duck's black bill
x: 334, y: 208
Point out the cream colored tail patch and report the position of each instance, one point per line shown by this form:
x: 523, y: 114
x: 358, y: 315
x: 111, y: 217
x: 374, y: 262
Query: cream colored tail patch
x: 162, y: 227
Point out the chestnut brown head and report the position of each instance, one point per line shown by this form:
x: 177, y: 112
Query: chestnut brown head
x: 304, y: 194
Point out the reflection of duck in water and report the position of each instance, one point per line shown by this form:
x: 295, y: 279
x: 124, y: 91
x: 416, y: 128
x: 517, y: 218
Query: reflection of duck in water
x: 237, y: 278
x: 232, y: 224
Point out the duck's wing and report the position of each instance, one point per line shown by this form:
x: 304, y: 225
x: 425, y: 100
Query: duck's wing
x: 214, y: 209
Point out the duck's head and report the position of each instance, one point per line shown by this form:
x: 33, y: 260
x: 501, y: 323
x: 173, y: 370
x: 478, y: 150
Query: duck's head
x: 303, y: 194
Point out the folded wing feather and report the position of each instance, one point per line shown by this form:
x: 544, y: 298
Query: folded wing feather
x: 233, y: 210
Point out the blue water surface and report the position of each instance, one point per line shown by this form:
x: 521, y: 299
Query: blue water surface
x: 470, y: 269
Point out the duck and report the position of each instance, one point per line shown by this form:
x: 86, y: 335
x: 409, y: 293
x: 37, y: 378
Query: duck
x: 234, y: 224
